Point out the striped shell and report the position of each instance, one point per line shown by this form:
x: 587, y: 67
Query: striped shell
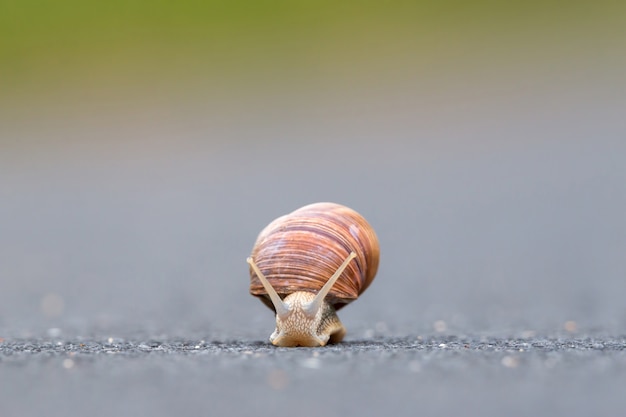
x: 301, y: 250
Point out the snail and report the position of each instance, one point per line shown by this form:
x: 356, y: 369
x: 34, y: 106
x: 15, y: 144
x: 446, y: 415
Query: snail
x: 308, y: 264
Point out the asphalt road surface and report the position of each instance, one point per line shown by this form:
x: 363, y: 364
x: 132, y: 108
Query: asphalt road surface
x: 432, y: 375
x: 501, y: 288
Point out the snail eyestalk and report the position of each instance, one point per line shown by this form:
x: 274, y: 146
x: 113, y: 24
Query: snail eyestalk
x: 314, y: 306
x: 304, y: 318
x: 282, y: 310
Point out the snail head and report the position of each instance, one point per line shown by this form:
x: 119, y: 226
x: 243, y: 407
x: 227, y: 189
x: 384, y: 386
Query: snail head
x: 304, y: 318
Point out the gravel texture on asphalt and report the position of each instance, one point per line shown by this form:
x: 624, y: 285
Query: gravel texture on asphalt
x: 427, y: 375
x: 17, y: 350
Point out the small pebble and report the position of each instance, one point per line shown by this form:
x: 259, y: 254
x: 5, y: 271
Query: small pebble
x: 440, y: 326
x: 68, y: 363
x: 311, y: 363
x: 571, y: 326
x: 510, y: 361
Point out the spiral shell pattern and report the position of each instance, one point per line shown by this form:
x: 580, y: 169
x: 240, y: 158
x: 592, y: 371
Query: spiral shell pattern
x: 301, y: 250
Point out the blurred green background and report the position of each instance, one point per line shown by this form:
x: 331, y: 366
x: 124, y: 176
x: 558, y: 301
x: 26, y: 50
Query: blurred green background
x: 86, y: 60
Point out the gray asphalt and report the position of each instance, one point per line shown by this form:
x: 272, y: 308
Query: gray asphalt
x: 429, y: 375
x: 502, y: 234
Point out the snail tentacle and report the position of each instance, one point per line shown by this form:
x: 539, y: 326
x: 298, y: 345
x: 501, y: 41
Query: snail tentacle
x: 313, y: 307
x: 282, y: 310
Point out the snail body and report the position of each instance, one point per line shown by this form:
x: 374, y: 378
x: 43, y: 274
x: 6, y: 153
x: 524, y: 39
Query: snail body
x: 308, y: 264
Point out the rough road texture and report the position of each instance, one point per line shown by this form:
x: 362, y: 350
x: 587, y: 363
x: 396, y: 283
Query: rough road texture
x: 437, y: 375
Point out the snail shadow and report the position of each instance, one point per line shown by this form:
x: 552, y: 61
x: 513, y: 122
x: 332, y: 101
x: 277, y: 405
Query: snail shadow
x: 349, y: 345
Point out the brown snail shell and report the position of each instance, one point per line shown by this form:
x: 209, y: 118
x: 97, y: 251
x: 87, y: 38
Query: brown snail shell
x: 300, y: 251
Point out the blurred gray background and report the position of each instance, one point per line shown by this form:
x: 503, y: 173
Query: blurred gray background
x: 494, y: 207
